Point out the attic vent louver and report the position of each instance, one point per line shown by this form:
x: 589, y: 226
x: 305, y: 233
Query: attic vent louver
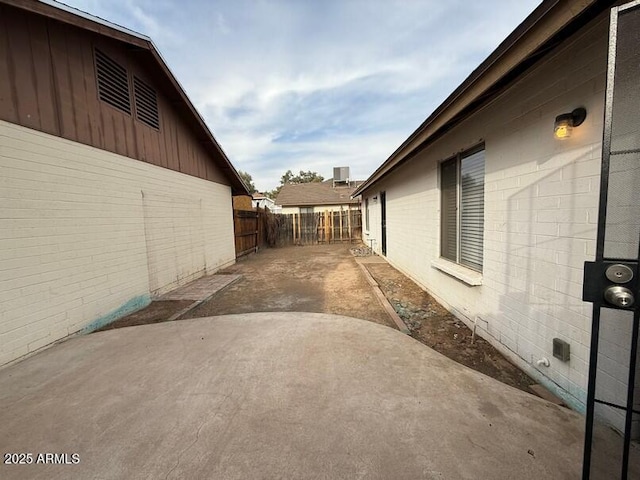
x: 146, y: 103
x: 113, y: 83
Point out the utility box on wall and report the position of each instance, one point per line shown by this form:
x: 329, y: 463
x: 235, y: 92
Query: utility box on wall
x: 561, y: 349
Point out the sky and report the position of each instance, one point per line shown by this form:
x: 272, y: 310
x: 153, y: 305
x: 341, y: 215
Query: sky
x: 316, y: 84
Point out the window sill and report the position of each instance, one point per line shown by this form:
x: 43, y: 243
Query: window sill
x: 464, y: 274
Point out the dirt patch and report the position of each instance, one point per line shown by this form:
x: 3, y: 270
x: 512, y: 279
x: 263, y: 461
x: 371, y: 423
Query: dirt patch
x: 156, y: 312
x: 327, y: 279
x: 431, y: 324
x: 319, y: 278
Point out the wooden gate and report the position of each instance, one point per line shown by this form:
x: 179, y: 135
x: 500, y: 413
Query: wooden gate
x: 250, y: 230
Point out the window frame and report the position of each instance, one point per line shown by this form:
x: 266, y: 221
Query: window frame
x: 366, y: 214
x: 475, y: 260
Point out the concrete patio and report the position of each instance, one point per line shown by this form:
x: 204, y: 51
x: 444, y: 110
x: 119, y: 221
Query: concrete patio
x: 274, y: 395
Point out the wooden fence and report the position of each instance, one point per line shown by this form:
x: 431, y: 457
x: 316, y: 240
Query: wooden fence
x: 255, y: 229
x: 341, y: 226
x: 314, y: 228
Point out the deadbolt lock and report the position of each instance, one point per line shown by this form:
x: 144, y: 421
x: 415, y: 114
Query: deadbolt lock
x: 619, y: 273
x: 611, y: 284
x: 619, y: 296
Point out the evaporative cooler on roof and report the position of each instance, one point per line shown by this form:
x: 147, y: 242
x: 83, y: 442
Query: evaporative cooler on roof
x: 340, y: 175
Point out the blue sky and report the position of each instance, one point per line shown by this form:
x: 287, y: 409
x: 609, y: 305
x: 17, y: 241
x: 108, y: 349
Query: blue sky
x: 313, y: 84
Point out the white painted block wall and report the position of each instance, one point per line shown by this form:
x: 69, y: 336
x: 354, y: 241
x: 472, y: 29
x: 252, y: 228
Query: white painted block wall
x: 87, y: 236
x: 541, y: 198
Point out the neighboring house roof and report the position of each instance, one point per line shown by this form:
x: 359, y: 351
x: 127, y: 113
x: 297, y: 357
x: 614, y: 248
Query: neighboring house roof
x: 150, y: 56
x: 549, y: 24
x: 260, y: 196
x: 260, y: 199
x: 316, y: 193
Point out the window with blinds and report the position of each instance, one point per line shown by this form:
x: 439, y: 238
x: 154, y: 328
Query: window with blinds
x: 462, y: 207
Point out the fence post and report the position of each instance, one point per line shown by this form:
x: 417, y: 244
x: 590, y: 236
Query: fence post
x: 257, y: 226
x: 295, y: 230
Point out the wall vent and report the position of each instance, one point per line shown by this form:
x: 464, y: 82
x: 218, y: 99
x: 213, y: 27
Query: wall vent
x: 146, y: 102
x: 561, y: 350
x: 113, y: 82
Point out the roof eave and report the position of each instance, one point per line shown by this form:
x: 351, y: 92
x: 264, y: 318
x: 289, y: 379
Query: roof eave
x: 529, y: 41
x: 238, y: 185
x: 64, y: 13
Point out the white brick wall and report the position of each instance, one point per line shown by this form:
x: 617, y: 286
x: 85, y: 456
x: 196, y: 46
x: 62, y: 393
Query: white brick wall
x: 87, y: 235
x: 541, y: 198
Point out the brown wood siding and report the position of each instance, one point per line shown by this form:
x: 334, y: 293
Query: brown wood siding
x: 49, y: 84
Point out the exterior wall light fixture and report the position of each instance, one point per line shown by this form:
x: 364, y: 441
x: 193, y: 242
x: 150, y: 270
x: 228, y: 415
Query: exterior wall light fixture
x: 564, y: 123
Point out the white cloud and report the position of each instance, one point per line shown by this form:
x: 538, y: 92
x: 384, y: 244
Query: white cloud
x: 223, y: 27
x: 311, y: 85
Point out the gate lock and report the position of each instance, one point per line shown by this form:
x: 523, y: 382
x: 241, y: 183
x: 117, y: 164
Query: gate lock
x: 613, y: 282
x: 619, y: 296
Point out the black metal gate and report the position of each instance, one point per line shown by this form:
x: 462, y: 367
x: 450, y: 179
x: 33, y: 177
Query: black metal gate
x: 611, y: 282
